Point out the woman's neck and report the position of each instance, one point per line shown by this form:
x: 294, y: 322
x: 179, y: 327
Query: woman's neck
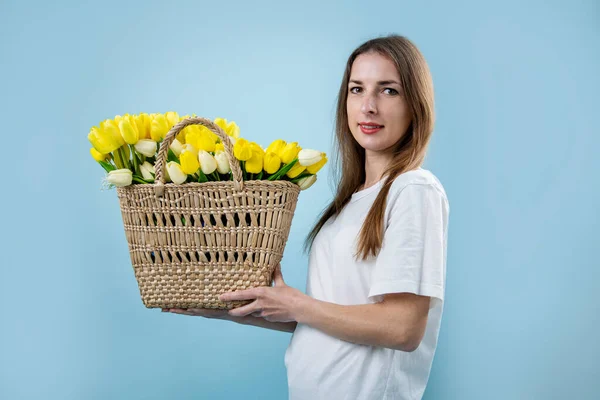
x: 375, y: 165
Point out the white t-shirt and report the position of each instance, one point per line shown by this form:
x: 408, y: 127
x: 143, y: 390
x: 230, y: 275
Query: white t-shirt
x: 412, y: 259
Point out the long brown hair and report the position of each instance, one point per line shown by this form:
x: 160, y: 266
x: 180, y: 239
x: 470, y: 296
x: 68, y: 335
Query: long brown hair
x: 408, y: 153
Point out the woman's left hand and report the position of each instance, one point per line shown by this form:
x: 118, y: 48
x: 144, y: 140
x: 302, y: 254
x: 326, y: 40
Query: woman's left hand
x: 280, y: 303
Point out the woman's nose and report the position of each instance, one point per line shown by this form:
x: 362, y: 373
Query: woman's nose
x: 368, y: 105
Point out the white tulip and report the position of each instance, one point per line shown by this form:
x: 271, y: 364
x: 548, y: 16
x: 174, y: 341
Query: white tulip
x: 120, y: 177
x: 208, y: 164
x: 308, y: 157
x: 175, y: 173
x: 306, y: 182
x: 222, y: 162
x: 147, y: 170
x: 176, y: 146
x: 146, y: 147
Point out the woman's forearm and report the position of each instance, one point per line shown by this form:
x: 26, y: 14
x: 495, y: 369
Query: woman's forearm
x: 367, y: 324
x: 263, y: 323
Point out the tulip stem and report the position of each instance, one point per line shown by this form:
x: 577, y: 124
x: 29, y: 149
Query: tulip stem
x: 117, y: 157
x: 244, y: 170
x: 136, y: 167
x: 126, y: 161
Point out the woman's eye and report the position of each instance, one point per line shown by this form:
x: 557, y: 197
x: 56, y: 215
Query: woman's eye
x: 394, y: 91
x: 352, y: 89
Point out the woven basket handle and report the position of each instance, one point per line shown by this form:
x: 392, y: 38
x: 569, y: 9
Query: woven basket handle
x: 160, y: 165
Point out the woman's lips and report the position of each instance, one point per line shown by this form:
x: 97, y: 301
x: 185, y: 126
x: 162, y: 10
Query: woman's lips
x: 370, y: 131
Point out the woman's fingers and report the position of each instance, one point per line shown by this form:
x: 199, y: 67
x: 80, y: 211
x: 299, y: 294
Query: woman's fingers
x: 245, y: 310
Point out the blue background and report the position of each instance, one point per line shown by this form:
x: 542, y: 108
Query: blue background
x: 515, y: 146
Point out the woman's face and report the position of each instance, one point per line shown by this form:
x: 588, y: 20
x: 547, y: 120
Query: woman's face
x: 375, y: 98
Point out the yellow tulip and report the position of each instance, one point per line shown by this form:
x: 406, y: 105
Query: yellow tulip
x: 189, y: 147
x: 272, y: 162
x: 200, y: 139
x: 255, y: 163
x: 296, y: 170
x: 219, y: 147
x: 143, y: 123
x: 230, y: 128
x: 276, y: 146
x: 189, y: 162
x: 181, y: 134
x: 289, y: 152
x: 159, y: 127
x: 313, y: 169
x: 172, y: 118
x: 97, y: 155
x: 242, y: 149
x: 208, y: 133
x: 106, y: 138
x: 256, y: 147
x: 129, y: 130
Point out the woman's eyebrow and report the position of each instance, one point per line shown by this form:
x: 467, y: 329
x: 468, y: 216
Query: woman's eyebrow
x: 380, y: 83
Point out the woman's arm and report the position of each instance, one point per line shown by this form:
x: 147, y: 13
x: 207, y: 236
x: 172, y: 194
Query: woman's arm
x: 397, y: 323
x: 245, y: 320
x: 263, y: 323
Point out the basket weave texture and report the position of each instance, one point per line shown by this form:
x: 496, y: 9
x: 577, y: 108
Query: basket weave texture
x: 190, y: 243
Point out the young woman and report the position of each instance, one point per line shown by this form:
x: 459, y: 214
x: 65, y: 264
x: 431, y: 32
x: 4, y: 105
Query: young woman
x: 368, y: 325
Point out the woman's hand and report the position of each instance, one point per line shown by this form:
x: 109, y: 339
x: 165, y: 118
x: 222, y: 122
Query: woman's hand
x: 280, y: 303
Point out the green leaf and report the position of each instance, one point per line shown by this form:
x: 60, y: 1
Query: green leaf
x: 140, y: 179
x: 172, y: 157
x: 201, y: 177
x: 259, y: 176
x: 301, y: 176
x: 107, y: 167
x: 283, y: 170
x: 243, y: 166
x: 136, y: 165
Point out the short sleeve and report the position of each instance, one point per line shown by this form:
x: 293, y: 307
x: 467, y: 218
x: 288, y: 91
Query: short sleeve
x: 413, y: 253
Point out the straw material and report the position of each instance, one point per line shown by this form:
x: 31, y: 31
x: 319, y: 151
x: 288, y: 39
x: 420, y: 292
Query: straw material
x: 189, y: 243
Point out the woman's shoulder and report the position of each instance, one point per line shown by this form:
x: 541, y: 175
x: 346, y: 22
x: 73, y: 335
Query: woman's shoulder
x: 421, y: 178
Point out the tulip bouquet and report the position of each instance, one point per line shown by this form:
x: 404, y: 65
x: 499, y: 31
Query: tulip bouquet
x: 126, y: 147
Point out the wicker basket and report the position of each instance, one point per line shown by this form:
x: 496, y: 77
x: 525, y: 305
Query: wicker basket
x: 190, y: 243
